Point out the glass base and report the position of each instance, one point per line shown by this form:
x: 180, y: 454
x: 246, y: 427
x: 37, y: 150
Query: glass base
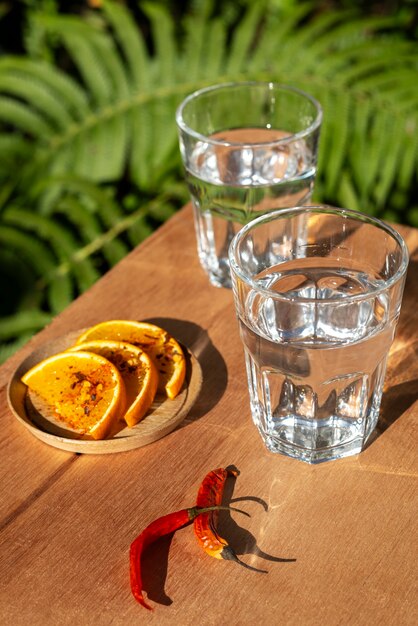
x: 223, y: 281
x: 219, y: 276
x: 326, y: 443
x: 314, y: 456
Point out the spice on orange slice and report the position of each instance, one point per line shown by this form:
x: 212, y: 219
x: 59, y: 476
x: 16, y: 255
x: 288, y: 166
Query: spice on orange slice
x: 163, y: 349
x: 138, y: 372
x: 83, y: 390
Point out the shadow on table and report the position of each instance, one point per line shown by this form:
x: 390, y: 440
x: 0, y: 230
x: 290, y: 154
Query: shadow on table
x: 214, y: 370
x: 239, y: 538
x: 154, y: 565
x: 402, y: 393
x: 407, y: 327
x: 396, y: 401
x: 155, y: 561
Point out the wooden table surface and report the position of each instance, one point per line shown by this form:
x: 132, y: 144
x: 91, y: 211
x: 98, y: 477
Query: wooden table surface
x: 67, y: 519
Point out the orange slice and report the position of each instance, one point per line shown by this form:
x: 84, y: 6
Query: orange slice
x: 82, y: 389
x: 138, y: 372
x: 163, y: 349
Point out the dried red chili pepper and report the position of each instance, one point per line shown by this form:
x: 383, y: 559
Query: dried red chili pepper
x: 210, y: 495
x: 158, y: 528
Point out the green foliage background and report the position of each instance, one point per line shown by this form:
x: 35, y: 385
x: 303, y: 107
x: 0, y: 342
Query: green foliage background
x: 90, y: 164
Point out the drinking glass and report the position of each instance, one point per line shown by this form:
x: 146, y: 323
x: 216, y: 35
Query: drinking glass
x: 317, y: 317
x: 247, y: 148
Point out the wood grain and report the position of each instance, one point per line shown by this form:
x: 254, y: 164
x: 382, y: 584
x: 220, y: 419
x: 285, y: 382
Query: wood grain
x: 67, y: 520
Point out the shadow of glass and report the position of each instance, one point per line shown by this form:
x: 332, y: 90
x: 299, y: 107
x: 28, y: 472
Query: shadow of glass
x: 395, y: 401
x: 401, y: 383
x: 214, y: 371
x: 406, y: 329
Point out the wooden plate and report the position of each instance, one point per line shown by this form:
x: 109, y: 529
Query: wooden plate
x: 164, y: 416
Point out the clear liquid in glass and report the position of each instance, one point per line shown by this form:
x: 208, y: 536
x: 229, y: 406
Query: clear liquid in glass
x: 230, y: 185
x: 316, y: 370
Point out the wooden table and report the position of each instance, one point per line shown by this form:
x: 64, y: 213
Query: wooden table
x: 67, y: 520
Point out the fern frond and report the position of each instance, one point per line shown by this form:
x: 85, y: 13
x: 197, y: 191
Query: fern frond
x: 348, y: 195
x: 163, y: 35
x: 392, y: 152
x: 26, y: 120
x: 276, y: 30
x: 29, y: 321
x: 60, y: 293
x: 38, y: 96
x: 306, y: 38
x: 60, y: 239
x: 244, y: 38
x: 195, y: 52
x: 88, y: 49
x: 408, y: 164
x: 30, y: 248
x: 108, y: 211
x: 83, y: 219
x: 65, y: 88
x: 9, y: 348
x: 110, y: 118
x: 131, y: 42
x: 215, y: 49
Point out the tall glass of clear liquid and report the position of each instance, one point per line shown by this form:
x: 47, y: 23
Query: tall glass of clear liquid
x: 317, y: 318
x: 246, y: 148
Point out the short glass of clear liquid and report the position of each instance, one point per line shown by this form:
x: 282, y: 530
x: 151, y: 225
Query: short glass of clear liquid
x: 247, y: 148
x: 317, y: 317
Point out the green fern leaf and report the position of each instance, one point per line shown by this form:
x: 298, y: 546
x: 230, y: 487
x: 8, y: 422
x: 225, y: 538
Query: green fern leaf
x: 348, y: 196
x: 380, y: 127
x: 389, y: 163
x: 131, y: 42
x: 408, y: 164
x: 30, y: 248
x: 8, y: 349
x: 345, y: 36
x: 163, y: 35
x: 359, y: 146
x: 372, y: 58
x: 29, y: 321
x: 16, y: 113
x: 38, y: 96
x: 308, y: 38
x: 65, y: 89
x: 82, y: 218
x: 215, y: 50
x: 86, y: 47
x: 59, y: 238
x: 109, y: 213
x: 195, y: 52
x: 100, y: 150
x: 334, y: 138
x: 139, y: 231
x: 244, y: 36
x: 140, y: 169
x: 60, y: 293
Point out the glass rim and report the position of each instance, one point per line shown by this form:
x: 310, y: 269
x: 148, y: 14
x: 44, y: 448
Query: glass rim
x: 323, y: 209
x: 270, y: 85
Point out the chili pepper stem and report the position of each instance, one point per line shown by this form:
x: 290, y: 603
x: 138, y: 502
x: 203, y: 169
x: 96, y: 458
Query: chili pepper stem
x: 197, y: 510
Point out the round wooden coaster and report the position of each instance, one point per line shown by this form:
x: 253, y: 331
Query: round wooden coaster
x: 163, y: 417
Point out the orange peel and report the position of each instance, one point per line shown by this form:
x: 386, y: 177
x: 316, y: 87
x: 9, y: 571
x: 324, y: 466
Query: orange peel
x: 163, y: 349
x: 137, y: 370
x: 83, y: 390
